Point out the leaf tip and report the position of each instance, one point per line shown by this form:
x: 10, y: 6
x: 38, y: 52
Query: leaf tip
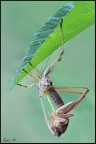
x: 9, y: 88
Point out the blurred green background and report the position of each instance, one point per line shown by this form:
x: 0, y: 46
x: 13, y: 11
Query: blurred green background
x: 22, y: 115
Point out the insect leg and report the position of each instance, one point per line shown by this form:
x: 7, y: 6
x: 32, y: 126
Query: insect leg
x: 62, y: 51
x: 32, y: 85
x: 51, y: 67
x: 33, y: 76
x: 71, y: 105
x: 63, y: 89
x: 39, y: 73
x: 67, y: 87
x: 72, y: 92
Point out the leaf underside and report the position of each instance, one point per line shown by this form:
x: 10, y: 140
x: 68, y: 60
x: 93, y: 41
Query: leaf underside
x: 77, y: 16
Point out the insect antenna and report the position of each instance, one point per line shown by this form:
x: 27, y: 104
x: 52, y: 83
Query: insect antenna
x: 45, y: 115
x: 45, y: 64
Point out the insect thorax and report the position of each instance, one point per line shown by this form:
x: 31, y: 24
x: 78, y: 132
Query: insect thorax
x: 44, y: 84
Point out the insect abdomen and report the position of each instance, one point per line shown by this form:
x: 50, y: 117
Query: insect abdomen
x: 55, y: 97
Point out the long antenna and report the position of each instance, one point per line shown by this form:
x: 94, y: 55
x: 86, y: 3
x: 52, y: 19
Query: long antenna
x: 45, y: 115
x: 44, y: 65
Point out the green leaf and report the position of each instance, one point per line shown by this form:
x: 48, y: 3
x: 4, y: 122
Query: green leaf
x: 77, y: 16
